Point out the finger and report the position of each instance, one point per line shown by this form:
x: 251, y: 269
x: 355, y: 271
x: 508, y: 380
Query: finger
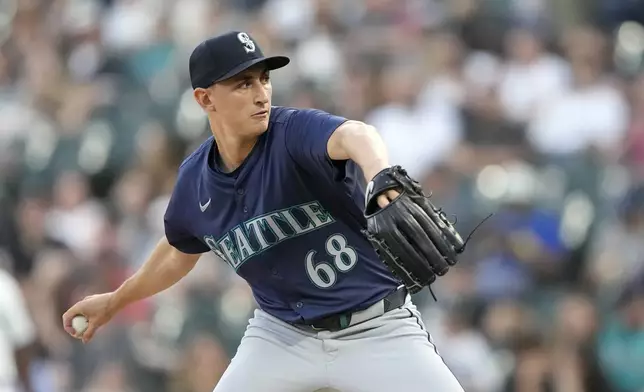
x: 401, y: 247
x: 385, y: 198
x: 392, y: 194
x: 452, y: 235
x: 423, y: 245
x: 383, y: 201
x: 89, y: 333
x: 419, y: 230
x: 70, y: 331
x: 69, y: 315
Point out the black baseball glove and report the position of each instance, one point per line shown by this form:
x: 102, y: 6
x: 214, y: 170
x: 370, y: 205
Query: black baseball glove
x: 412, y: 237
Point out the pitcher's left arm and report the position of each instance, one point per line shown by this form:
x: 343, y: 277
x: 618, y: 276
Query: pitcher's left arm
x: 412, y: 237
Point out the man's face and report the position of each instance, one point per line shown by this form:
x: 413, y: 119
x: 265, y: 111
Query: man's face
x: 243, y: 101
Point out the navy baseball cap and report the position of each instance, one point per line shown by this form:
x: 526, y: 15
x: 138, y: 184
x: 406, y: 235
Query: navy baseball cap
x: 224, y: 56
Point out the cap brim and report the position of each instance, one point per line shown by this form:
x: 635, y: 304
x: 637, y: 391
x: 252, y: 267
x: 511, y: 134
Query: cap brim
x: 273, y: 62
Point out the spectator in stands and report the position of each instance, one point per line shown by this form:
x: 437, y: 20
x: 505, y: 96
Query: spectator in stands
x: 621, y: 342
x: 17, y: 337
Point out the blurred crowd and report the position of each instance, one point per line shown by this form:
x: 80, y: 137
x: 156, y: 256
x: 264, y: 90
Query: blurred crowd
x: 529, y: 109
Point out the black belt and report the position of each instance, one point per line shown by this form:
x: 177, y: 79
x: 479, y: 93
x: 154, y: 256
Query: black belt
x: 337, y: 322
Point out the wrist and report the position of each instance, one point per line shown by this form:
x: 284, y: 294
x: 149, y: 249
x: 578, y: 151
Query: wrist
x: 369, y: 171
x: 117, y: 301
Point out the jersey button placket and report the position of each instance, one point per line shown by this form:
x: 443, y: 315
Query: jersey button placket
x: 240, y: 193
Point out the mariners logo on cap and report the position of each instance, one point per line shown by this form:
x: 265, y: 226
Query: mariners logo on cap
x: 249, y: 45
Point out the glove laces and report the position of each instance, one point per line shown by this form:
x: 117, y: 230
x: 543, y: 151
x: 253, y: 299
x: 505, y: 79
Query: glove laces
x: 462, y: 248
x: 469, y: 237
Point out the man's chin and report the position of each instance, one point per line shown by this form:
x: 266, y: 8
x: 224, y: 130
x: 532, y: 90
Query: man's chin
x: 260, y: 125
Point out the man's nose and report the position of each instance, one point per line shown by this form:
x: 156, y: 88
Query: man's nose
x: 261, y: 97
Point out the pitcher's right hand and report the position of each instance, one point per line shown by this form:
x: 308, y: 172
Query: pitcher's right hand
x: 97, y: 309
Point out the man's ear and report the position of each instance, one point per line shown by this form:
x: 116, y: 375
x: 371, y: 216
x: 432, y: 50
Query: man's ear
x: 203, y: 98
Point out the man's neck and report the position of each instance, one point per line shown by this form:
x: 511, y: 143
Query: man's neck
x: 232, y: 153
x: 231, y: 147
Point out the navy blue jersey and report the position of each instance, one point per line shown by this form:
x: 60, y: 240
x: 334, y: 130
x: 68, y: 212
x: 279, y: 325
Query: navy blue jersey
x: 288, y: 220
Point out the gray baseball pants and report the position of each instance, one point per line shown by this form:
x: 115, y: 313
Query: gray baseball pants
x: 389, y: 353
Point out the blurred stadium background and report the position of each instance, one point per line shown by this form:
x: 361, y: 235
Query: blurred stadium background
x: 532, y: 109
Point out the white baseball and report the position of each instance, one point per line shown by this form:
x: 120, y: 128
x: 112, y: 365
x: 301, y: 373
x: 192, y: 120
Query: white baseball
x: 79, y: 323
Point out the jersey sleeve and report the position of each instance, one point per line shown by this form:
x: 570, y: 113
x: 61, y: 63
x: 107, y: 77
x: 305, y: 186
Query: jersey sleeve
x: 307, y: 134
x: 176, y: 224
x: 177, y: 234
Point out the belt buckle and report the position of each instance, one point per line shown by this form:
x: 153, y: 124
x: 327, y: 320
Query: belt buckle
x: 345, y: 321
x: 341, y: 321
